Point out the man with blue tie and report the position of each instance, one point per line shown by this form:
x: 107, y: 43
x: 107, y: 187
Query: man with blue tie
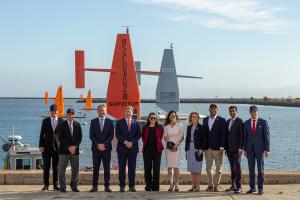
x: 101, y: 135
x: 128, y: 133
x: 70, y: 136
x: 256, y: 147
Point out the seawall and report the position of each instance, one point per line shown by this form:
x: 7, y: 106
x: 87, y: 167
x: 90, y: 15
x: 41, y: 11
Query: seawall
x: 85, y: 178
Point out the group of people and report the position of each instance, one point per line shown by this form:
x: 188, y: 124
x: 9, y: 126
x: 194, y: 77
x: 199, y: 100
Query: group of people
x: 60, y: 140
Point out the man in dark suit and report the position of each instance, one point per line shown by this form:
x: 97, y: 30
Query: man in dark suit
x: 256, y: 147
x: 48, y: 145
x: 101, y: 135
x: 214, y: 132
x: 234, y: 148
x: 128, y: 133
x: 70, y: 136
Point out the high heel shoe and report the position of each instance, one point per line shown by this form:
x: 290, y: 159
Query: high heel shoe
x: 171, y: 188
x: 176, y: 188
x: 197, y: 189
x: 192, y: 189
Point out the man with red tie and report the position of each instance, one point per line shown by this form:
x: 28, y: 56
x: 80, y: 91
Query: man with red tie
x: 128, y: 133
x: 256, y: 147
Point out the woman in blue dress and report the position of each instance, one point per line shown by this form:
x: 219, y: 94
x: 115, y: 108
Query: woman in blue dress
x: 194, y: 144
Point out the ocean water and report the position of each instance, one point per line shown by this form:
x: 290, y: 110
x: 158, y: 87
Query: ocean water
x: 25, y: 116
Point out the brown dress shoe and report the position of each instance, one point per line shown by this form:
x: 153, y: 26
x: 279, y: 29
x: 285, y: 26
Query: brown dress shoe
x: 210, y: 189
x: 217, y: 189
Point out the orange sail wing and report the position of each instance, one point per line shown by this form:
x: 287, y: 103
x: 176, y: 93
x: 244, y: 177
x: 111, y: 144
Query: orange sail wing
x: 89, y: 101
x: 46, y: 98
x: 59, y: 101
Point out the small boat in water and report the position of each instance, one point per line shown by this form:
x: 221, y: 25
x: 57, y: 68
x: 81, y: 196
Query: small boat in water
x: 20, y: 156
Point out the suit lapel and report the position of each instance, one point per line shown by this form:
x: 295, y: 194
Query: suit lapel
x: 257, y: 125
x: 98, y: 125
x: 216, y: 121
x: 249, y: 127
x: 125, y: 125
x: 132, y: 124
x: 50, y: 123
x: 68, y: 128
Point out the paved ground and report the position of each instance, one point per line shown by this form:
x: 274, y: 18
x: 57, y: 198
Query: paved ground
x: 32, y: 192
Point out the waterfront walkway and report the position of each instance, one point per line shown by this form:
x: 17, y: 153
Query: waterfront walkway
x: 32, y: 192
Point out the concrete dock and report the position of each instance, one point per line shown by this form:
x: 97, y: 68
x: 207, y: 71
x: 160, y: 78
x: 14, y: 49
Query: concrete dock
x: 9, y: 177
x: 27, y: 185
x: 32, y: 192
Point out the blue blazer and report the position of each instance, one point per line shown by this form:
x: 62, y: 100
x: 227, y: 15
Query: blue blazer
x: 215, y: 138
x: 260, y: 141
x: 101, y: 137
x: 123, y: 134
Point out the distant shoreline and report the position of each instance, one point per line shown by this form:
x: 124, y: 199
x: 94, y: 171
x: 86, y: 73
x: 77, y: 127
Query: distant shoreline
x: 284, y: 102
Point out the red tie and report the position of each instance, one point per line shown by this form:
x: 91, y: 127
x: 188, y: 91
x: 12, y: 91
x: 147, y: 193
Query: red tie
x: 253, y: 127
x: 128, y: 125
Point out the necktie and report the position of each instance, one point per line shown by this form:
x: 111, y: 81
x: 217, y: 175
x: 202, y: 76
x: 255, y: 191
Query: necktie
x: 70, y: 126
x: 128, y: 125
x: 54, y: 124
x: 253, y: 127
x: 101, y: 124
x: 230, y: 125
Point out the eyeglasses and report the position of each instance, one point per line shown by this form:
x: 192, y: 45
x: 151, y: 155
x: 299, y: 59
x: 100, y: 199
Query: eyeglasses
x: 152, y: 118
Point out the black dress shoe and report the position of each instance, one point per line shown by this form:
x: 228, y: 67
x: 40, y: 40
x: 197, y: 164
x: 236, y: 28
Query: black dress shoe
x: 251, y: 191
x: 94, y: 189
x: 122, y: 189
x: 230, y: 189
x: 46, y: 187
x: 147, y: 189
x: 63, y: 190
x: 107, y: 189
x: 75, y: 190
x: 238, y: 190
x: 132, y: 189
x: 260, y: 192
x: 56, y: 187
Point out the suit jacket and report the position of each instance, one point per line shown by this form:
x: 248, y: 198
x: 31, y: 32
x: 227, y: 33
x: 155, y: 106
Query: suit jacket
x: 67, y: 140
x: 234, y: 137
x: 123, y: 134
x: 215, y: 138
x: 49, y: 138
x: 198, y: 138
x: 159, y: 136
x: 101, y: 137
x: 260, y: 141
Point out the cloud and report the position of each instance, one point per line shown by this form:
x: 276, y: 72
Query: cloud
x: 251, y: 15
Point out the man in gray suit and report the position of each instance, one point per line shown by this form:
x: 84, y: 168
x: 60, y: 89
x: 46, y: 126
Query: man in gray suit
x: 256, y: 147
x: 70, y: 136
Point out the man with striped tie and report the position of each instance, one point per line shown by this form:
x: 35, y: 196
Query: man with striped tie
x: 128, y: 133
x: 70, y: 136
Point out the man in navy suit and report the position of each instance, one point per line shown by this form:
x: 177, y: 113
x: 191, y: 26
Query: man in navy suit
x: 256, y: 147
x: 128, y: 133
x: 214, y: 132
x: 101, y: 135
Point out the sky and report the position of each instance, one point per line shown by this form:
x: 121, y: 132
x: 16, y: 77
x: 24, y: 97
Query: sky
x: 242, y: 48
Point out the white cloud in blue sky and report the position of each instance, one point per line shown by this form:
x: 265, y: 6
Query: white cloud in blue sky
x: 225, y: 14
x: 242, y: 48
